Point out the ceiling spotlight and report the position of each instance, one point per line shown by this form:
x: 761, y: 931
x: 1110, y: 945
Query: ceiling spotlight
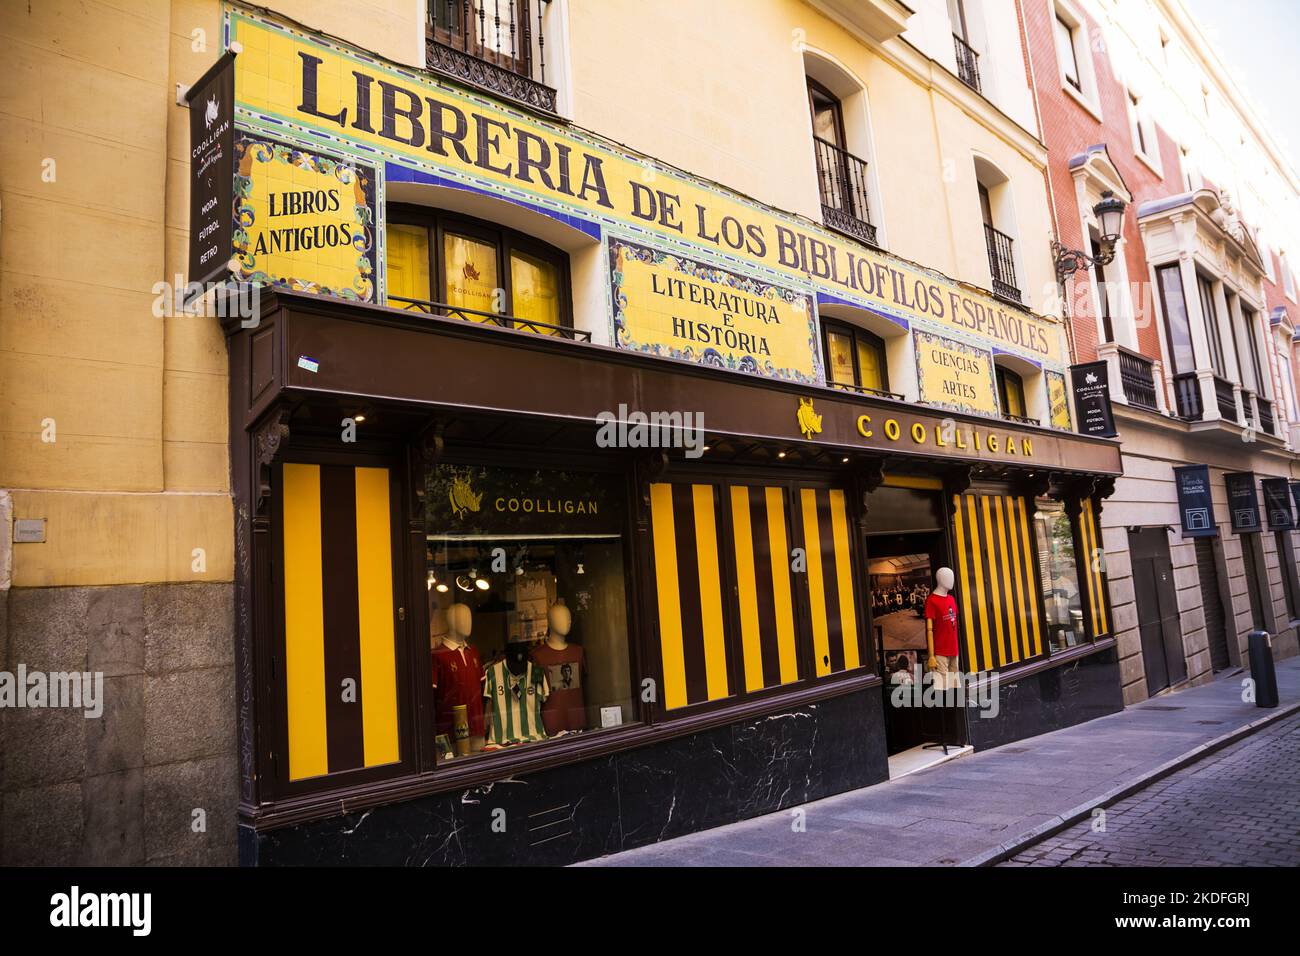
x: 358, y: 418
x: 482, y: 584
x: 442, y: 589
x: 844, y: 460
x: 464, y: 583
x: 706, y: 447
x: 580, y: 568
x: 431, y: 582
x: 780, y: 454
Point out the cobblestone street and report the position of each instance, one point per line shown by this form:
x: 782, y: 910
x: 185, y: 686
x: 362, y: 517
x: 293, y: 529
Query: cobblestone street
x: 1239, y: 807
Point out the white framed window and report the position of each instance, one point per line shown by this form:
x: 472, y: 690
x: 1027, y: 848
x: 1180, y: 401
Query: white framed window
x: 1143, y: 131
x: 1074, y: 56
x: 1266, y: 254
x: 1288, y: 278
x: 1191, y: 173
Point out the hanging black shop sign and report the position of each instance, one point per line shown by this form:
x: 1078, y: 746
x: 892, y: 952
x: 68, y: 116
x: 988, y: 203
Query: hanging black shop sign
x: 1195, y: 506
x: 1243, y: 502
x: 1092, y: 409
x: 212, y: 130
x: 1277, y: 504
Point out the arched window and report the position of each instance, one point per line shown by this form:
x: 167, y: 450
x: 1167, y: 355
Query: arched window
x: 449, y: 264
x: 855, y: 359
x: 1011, y: 393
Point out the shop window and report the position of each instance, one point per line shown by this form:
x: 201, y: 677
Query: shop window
x: 463, y: 268
x: 855, y: 359
x: 1058, y: 568
x: 527, y: 607
x: 996, y: 590
x: 1011, y: 393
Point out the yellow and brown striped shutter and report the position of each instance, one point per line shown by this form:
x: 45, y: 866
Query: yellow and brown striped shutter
x: 688, y: 579
x: 1095, y: 568
x: 996, y: 579
x: 831, y: 573
x: 760, y: 527
x: 338, y: 619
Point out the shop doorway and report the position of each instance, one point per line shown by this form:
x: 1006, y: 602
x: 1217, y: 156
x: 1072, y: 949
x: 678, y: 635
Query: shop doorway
x: 1157, y: 608
x: 1216, y: 625
x: 900, y: 572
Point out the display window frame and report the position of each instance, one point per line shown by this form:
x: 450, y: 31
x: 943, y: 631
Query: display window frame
x: 721, y: 477
x: 440, y: 223
x: 562, y: 747
x: 274, y: 700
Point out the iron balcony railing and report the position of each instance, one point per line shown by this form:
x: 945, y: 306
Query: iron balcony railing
x: 968, y: 63
x: 1137, y: 375
x: 842, y: 181
x: 1021, y: 419
x: 864, y: 390
x: 488, y: 318
x: 1227, y: 402
x: 497, y: 45
x: 1187, y: 396
x: 1002, y: 264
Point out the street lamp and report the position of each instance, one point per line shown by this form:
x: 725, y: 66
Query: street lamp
x: 1109, y: 214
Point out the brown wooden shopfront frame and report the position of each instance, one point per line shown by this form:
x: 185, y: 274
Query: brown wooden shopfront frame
x: 431, y: 375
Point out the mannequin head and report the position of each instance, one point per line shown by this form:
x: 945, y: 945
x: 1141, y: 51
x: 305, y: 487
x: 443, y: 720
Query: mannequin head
x: 560, y: 619
x: 460, y: 621
x: 943, y: 580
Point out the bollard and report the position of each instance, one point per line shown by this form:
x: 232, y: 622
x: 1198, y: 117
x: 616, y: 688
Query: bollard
x: 1261, y: 669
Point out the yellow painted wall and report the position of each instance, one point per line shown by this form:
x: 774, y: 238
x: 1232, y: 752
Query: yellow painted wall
x: 138, y: 402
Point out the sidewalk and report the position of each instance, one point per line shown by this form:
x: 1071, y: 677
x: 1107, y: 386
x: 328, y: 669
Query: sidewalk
x: 974, y: 810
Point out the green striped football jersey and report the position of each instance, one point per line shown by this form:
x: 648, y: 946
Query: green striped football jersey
x: 515, y: 704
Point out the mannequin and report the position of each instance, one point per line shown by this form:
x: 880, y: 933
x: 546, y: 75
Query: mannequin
x: 565, y: 664
x: 941, y: 628
x: 458, y: 681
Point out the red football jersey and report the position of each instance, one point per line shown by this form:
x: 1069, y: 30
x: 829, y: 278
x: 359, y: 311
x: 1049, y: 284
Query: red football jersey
x: 458, y: 678
x: 942, y: 610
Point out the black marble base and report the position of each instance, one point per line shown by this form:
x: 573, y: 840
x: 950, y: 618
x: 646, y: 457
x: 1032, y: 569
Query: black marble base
x: 1051, y: 700
x: 612, y: 803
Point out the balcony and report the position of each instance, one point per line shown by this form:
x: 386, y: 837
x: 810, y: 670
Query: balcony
x: 1187, y: 393
x: 968, y: 63
x: 842, y: 181
x: 1225, y: 399
x: 1002, y: 265
x: 864, y: 390
x: 1137, y: 375
x: 488, y: 318
x: 1021, y: 419
x: 1266, y: 422
x: 497, y: 47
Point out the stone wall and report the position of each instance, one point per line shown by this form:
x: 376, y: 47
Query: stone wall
x: 121, y: 789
